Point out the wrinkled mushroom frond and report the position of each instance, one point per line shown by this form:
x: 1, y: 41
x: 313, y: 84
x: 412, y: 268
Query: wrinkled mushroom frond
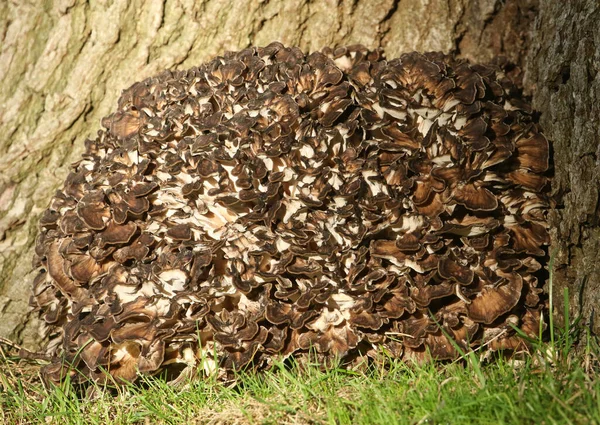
x: 269, y: 202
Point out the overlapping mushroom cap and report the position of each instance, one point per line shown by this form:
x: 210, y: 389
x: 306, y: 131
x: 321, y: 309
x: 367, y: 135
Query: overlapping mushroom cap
x: 269, y: 202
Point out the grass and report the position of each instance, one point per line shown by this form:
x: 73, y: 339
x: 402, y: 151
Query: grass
x: 556, y: 383
x: 547, y: 387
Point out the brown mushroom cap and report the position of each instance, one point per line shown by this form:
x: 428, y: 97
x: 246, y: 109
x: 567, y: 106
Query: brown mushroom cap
x: 269, y: 202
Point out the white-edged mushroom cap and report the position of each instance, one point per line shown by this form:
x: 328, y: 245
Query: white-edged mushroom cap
x: 269, y: 202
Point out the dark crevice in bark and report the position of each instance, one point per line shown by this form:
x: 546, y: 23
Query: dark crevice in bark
x: 385, y: 21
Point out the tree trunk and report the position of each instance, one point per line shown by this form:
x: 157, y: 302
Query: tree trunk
x: 64, y: 64
x: 561, y: 73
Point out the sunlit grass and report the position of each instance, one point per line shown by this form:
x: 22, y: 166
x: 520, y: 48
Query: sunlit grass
x: 548, y: 386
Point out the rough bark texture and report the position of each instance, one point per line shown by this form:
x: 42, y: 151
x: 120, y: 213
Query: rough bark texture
x: 64, y: 64
x: 561, y: 72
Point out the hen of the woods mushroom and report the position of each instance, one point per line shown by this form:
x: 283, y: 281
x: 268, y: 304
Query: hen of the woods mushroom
x: 270, y: 204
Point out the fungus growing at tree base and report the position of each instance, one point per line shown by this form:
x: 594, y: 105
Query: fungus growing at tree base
x: 268, y: 203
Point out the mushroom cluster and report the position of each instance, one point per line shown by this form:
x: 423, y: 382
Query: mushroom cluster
x: 269, y: 203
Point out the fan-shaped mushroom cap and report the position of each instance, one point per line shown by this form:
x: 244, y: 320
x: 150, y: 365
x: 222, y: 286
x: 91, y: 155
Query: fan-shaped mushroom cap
x: 269, y: 202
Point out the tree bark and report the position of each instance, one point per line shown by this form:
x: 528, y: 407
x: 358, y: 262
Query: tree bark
x: 64, y: 64
x: 561, y: 73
